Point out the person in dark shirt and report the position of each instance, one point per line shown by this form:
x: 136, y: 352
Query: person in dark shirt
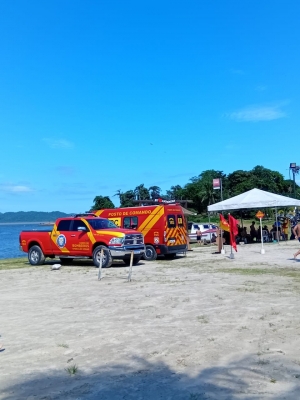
x: 253, y: 232
x: 214, y: 238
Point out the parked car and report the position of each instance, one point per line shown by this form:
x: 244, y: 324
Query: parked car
x: 206, y: 229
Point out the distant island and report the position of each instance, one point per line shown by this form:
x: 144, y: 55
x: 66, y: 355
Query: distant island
x: 31, y: 216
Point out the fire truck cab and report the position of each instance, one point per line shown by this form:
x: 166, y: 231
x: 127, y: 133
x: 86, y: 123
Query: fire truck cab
x: 163, y: 226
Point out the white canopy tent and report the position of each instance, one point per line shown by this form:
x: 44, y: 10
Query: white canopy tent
x: 254, y: 198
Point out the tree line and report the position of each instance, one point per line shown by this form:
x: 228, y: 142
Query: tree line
x: 31, y: 216
x: 200, y: 190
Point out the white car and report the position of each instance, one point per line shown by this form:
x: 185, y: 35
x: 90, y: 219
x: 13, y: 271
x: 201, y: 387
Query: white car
x: 206, y: 229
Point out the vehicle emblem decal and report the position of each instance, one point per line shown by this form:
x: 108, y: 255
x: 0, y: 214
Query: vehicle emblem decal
x: 61, y: 241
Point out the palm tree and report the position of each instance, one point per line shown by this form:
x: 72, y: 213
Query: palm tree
x: 118, y: 193
x: 141, y: 192
x: 207, y: 193
x: 154, y: 192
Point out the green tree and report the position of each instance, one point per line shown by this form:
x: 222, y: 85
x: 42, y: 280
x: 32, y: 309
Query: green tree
x: 176, y: 193
x: 266, y: 179
x: 141, y: 193
x: 289, y: 189
x: 259, y: 177
x: 101, y: 202
x: 127, y: 199
x: 201, y: 191
x: 154, y: 192
x: 119, y: 194
x: 239, y: 182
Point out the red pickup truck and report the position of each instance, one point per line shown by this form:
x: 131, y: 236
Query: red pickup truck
x: 83, y: 236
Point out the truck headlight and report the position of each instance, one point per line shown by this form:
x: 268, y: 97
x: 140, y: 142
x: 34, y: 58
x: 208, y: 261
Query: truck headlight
x: 117, y: 240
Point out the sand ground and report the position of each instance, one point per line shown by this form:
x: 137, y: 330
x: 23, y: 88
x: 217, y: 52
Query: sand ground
x: 202, y: 326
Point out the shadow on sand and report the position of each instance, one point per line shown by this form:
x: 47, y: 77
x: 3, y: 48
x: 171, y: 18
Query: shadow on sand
x: 144, y: 380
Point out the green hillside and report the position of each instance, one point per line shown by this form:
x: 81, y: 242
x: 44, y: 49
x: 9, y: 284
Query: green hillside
x: 31, y: 216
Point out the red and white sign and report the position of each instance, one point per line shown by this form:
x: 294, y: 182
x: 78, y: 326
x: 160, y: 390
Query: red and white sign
x: 217, y: 183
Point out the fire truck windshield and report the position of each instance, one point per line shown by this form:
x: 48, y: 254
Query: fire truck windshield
x: 101, y: 223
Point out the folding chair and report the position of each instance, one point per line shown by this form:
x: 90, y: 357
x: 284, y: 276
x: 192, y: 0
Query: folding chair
x: 265, y: 236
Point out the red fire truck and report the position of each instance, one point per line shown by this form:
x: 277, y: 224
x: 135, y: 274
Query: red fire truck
x: 163, y: 226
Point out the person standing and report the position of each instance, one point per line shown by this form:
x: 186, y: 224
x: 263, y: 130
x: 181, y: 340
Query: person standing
x: 285, y: 229
x: 199, y: 236
x: 296, y: 232
x: 293, y: 225
x: 253, y: 232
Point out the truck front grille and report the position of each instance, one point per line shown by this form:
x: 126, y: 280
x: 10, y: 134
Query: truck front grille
x: 132, y: 239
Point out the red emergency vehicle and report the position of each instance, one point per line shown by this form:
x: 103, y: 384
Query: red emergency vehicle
x: 163, y: 226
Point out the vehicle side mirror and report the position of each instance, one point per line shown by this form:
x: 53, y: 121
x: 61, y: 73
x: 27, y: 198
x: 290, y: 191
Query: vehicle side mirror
x: 82, y: 229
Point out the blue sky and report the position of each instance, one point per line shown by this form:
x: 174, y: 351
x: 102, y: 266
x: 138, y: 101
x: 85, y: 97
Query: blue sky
x: 97, y: 96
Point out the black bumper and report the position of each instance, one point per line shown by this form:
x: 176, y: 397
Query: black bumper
x: 163, y: 249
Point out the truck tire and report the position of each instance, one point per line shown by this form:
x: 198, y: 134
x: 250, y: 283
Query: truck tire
x: 150, y: 253
x: 66, y: 261
x: 135, y: 260
x: 107, y: 259
x: 36, y: 256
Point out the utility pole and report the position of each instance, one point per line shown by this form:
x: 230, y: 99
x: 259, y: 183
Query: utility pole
x: 295, y: 170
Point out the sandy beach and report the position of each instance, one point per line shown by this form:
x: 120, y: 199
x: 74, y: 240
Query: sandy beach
x: 202, y: 326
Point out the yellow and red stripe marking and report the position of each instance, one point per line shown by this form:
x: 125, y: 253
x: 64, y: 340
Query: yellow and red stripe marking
x: 179, y: 233
x: 54, y: 235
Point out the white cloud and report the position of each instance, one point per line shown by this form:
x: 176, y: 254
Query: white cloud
x: 257, y: 113
x: 16, y: 188
x: 58, y: 143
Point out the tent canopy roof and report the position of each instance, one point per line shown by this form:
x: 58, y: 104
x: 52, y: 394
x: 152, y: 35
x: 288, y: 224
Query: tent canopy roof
x: 254, y: 198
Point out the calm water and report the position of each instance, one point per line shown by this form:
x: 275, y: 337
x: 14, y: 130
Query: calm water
x: 9, y: 239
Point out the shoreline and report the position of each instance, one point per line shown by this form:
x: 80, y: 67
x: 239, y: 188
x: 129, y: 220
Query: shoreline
x: 26, y: 223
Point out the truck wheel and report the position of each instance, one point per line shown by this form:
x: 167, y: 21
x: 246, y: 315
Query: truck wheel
x: 135, y: 260
x: 66, y: 261
x: 36, y: 256
x: 106, y: 260
x: 150, y: 253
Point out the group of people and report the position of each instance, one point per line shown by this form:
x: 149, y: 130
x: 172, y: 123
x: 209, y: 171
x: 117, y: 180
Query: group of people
x: 277, y: 232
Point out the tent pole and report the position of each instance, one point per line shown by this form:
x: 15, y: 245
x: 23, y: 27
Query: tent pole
x: 241, y: 213
x: 262, y: 250
x: 231, y: 253
x: 221, y: 248
x: 278, y: 238
x: 209, y: 226
x: 222, y: 243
